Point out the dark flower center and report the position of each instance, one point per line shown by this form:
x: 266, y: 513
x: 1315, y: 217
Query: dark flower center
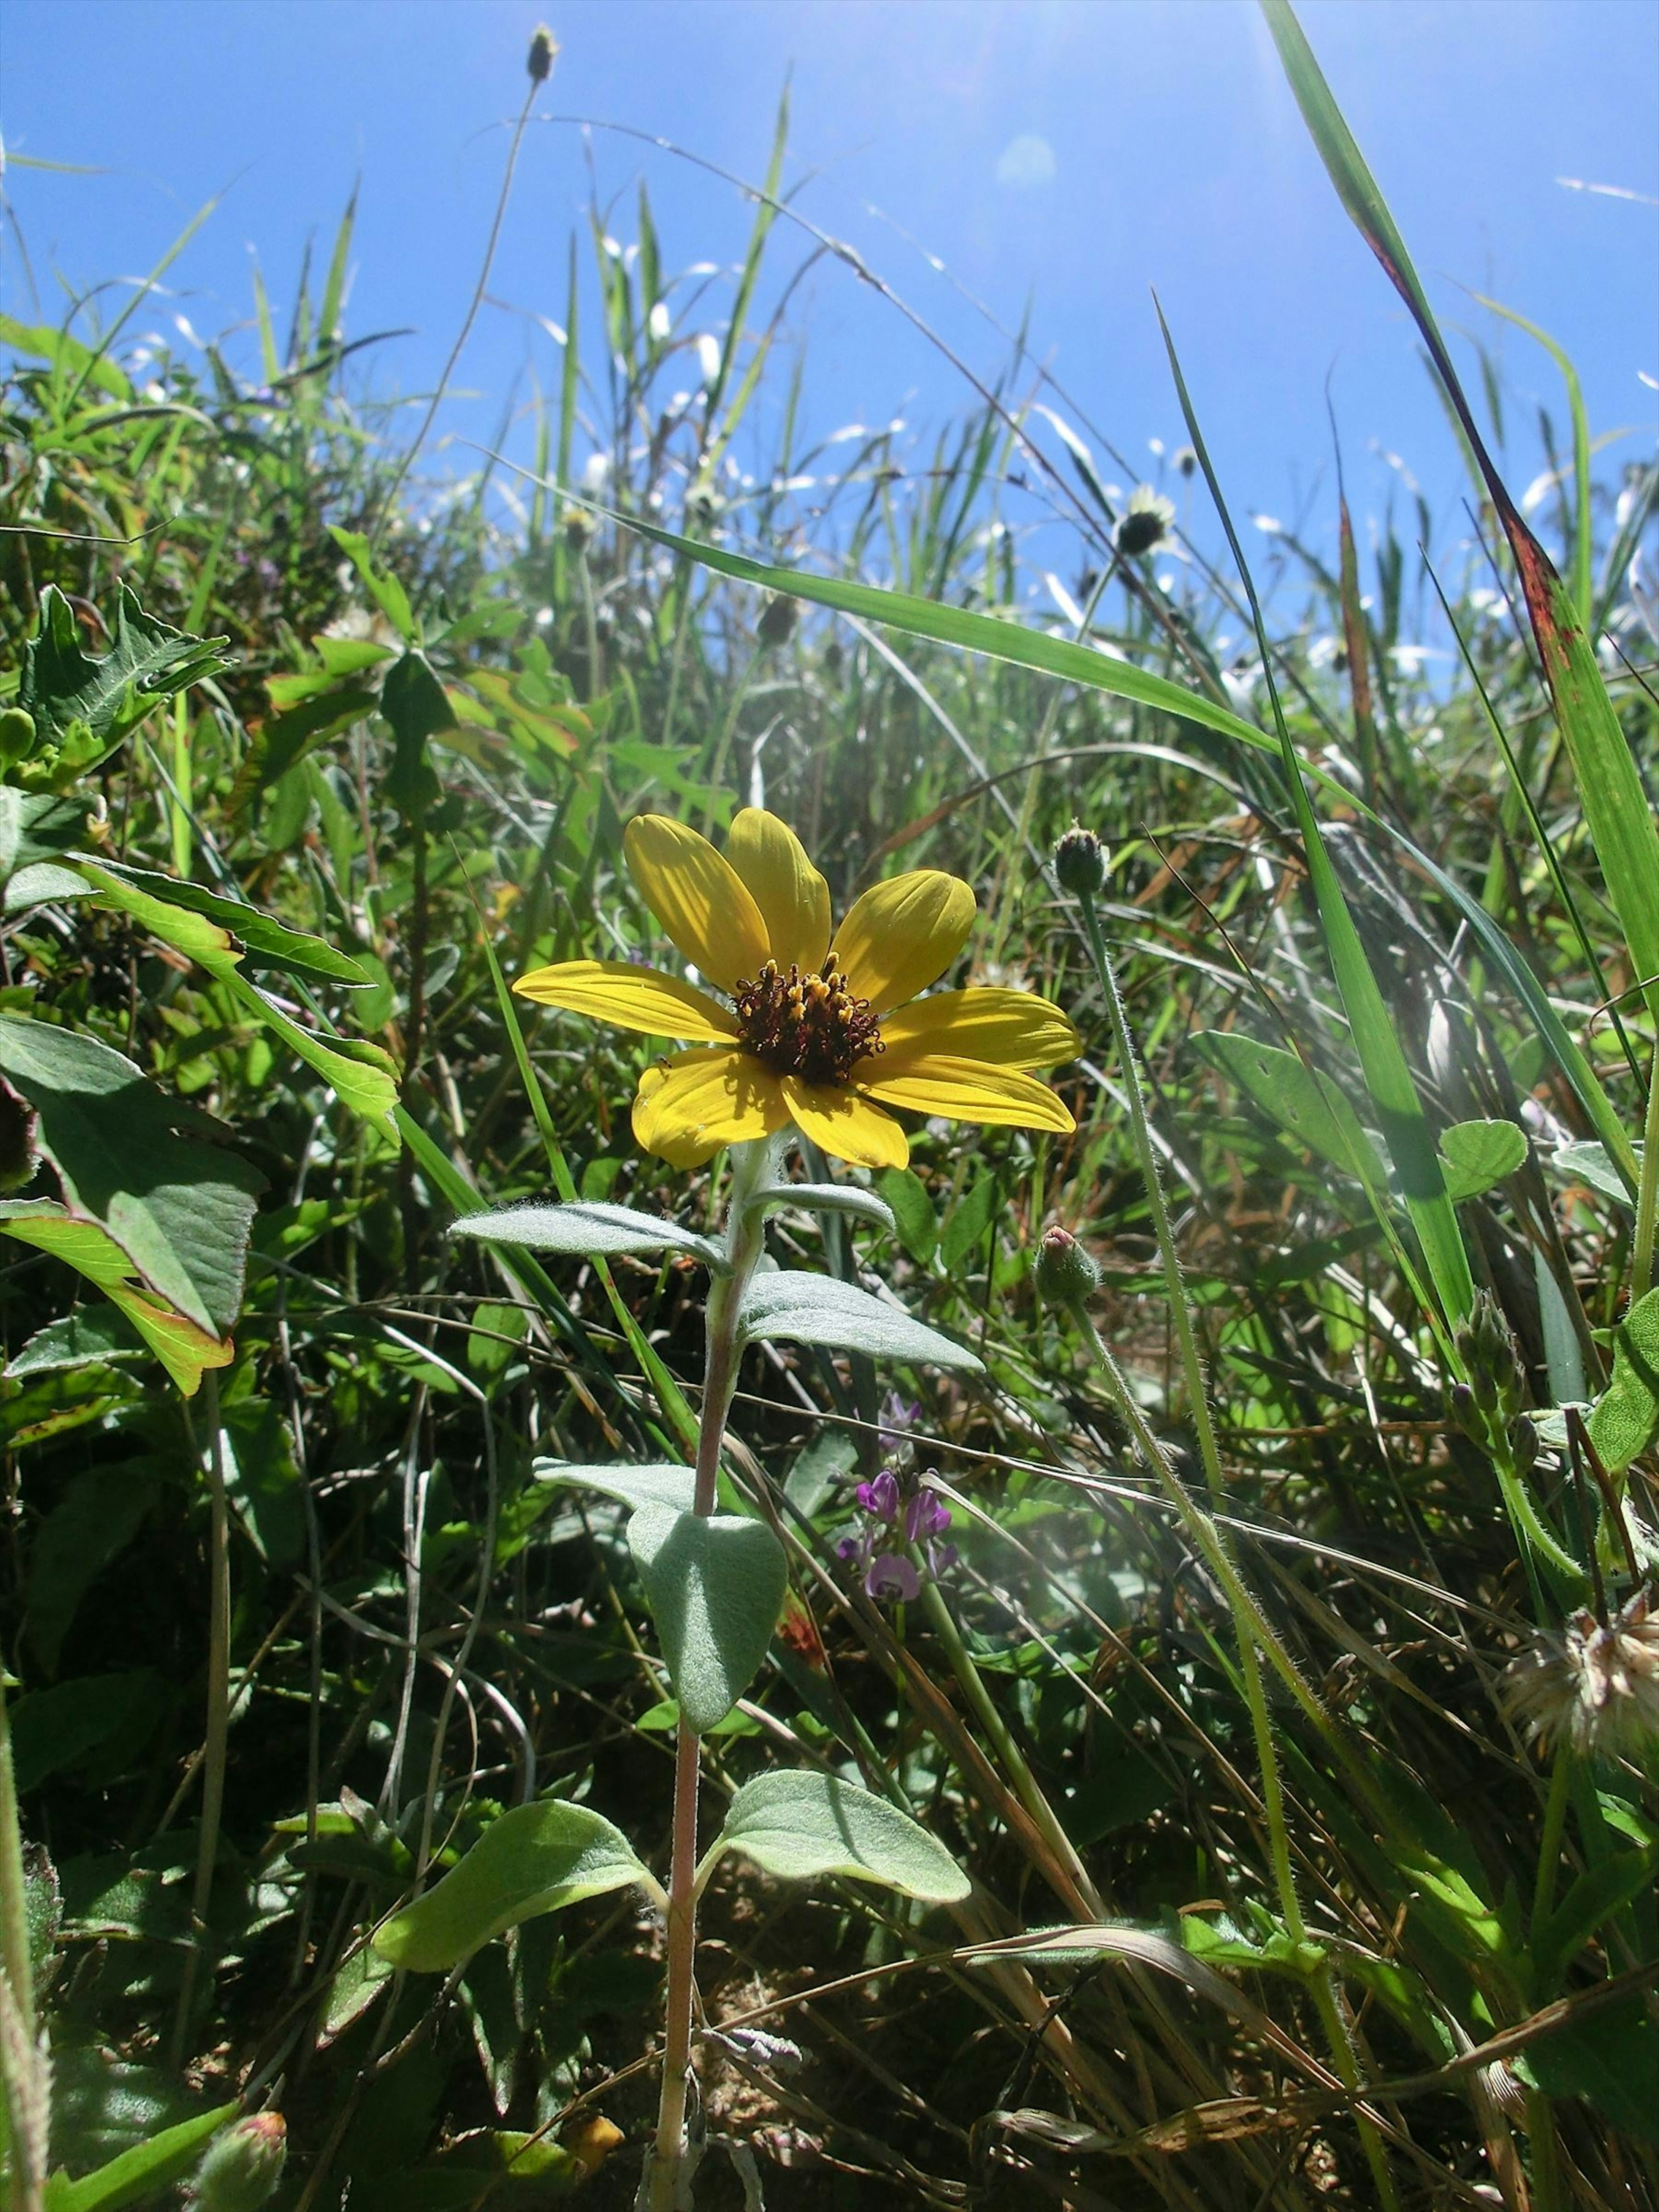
x: 807, y: 1025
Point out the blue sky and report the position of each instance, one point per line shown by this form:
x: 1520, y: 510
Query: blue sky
x: 1063, y: 155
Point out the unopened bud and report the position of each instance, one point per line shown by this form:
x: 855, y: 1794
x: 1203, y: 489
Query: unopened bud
x: 777, y: 620
x: 1064, y: 1271
x: 543, y: 52
x: 1466, y: 1415
x: 1524, y: 1444
x: 242, y: 2165
x: 1080, y: 863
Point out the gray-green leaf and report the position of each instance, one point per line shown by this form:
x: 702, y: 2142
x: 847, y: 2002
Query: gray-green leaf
x: 589, y: 1226
x: 715, y: 1587
x: 535, y: 1859
x: 1308, y: 1106
x: 826, y: 1197
x: 1590, y: 1164
x: 804, y: 1308
x: 800, y: 1826
x: 660, y: 1483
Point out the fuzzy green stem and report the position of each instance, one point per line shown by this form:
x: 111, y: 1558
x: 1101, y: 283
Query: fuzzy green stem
x: 1549, y: 1843
x: 216, y: 1728
x: 745, y: 1238
x: 26, y: 2091
x: 1647, y: 1195
x: 1001, y: 1737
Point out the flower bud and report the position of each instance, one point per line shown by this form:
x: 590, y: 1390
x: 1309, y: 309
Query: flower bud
x: 242, y: 2165
x: 1064, y: 1271
x: 543, y: 52
x: 1080, y: 862
x: 777, y: 619
x: 1524, y: 1444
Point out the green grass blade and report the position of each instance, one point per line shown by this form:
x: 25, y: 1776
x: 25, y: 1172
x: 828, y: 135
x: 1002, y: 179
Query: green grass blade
x: 1583, y: 586
x: 1616, y: 811
x: 1387, y: 1074
x: 328, y: 318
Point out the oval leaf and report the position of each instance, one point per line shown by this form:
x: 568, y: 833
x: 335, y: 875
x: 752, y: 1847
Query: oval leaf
x: 1625, y: 1419
x: 1307, y: 1106
x: 807, y: 1309
x: 798, y: 1825
x: 1475, y: 1155
x: 658, y: 1484
x: 586, y: 1226
x: 715, y: 1587
x: 1591, y: 1163
x: 535, y: 1859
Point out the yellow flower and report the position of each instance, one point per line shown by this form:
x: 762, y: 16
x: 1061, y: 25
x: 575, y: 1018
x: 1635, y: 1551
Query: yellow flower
x: 815, y: 1033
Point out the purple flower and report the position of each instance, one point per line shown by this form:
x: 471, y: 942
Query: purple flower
x: 927, y: 1515
x: 897, y: 1415
x: 890, y: 1574
x: 881, y: 1496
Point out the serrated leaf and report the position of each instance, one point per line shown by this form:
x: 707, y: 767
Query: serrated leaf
x: 179, y: 1209
x: 92, y: 1336
x: 715, y: 1586
x: 1625, y: 1419
x: 143, y: 2172
x: 1306, y: 1105
x: 586, y: 1226
x: 802, y: 1309
x: 826, y: 1197
x: 83, y: 705
x: 535, y: 1859
x: 653, y: 1484
x: 801, y: 1825
x: 1476, y: 1155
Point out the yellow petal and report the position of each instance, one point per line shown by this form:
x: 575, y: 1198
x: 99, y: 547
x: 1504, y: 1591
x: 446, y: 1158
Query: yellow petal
x: 902, y: 935
x: 633, y: 998
x: 791, y: 895
x: 698, y: 897
x: 844, y: 1125
x: 965, y: 1091
x: 1015, y: 1029
x: 692, y: 1103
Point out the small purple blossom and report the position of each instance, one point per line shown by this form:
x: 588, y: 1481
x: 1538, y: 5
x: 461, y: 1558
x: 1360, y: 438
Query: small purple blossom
x: 898, y: 1416
x: 899, y: 1517
x: 890, y: 1574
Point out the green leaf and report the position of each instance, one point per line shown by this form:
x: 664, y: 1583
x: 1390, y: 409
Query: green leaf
x: 913, y: 1211
x: 586, y: 1226
x: 143, y: 2172
x: 382, y: 586
x: 1476, y: 1155
x: 362, y: 1076
x: 1306, y: 1105
x: 284, y: 741
x: 183, y: 1348
x: 179, y: 1208
x: 535, y: 1859
x: 1598, y: 1894
x: 415, y: 704
x: 967, y: 1222
x: 1611, y: 2058
x: 54, y: 1730
x: 266, y: 942
x: 1591, y: 1163
x: 83, y: 705
x: 90, y: 1337
x: 715, y: 1586
x: 803, y: 1309
x: 35, y: 827
x: 1625, y: 1419
x: 825, y: 1198
x: 800, y: 1826
x: 661, y: 1484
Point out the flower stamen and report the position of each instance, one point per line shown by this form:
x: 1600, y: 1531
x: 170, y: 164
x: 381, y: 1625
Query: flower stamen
x: 809, y: 1026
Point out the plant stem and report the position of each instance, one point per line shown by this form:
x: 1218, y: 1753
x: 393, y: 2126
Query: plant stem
x: 217, y: 1726
x: 663, y: 2189
x: 26, y: 2086
x: 1647, y: 1196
